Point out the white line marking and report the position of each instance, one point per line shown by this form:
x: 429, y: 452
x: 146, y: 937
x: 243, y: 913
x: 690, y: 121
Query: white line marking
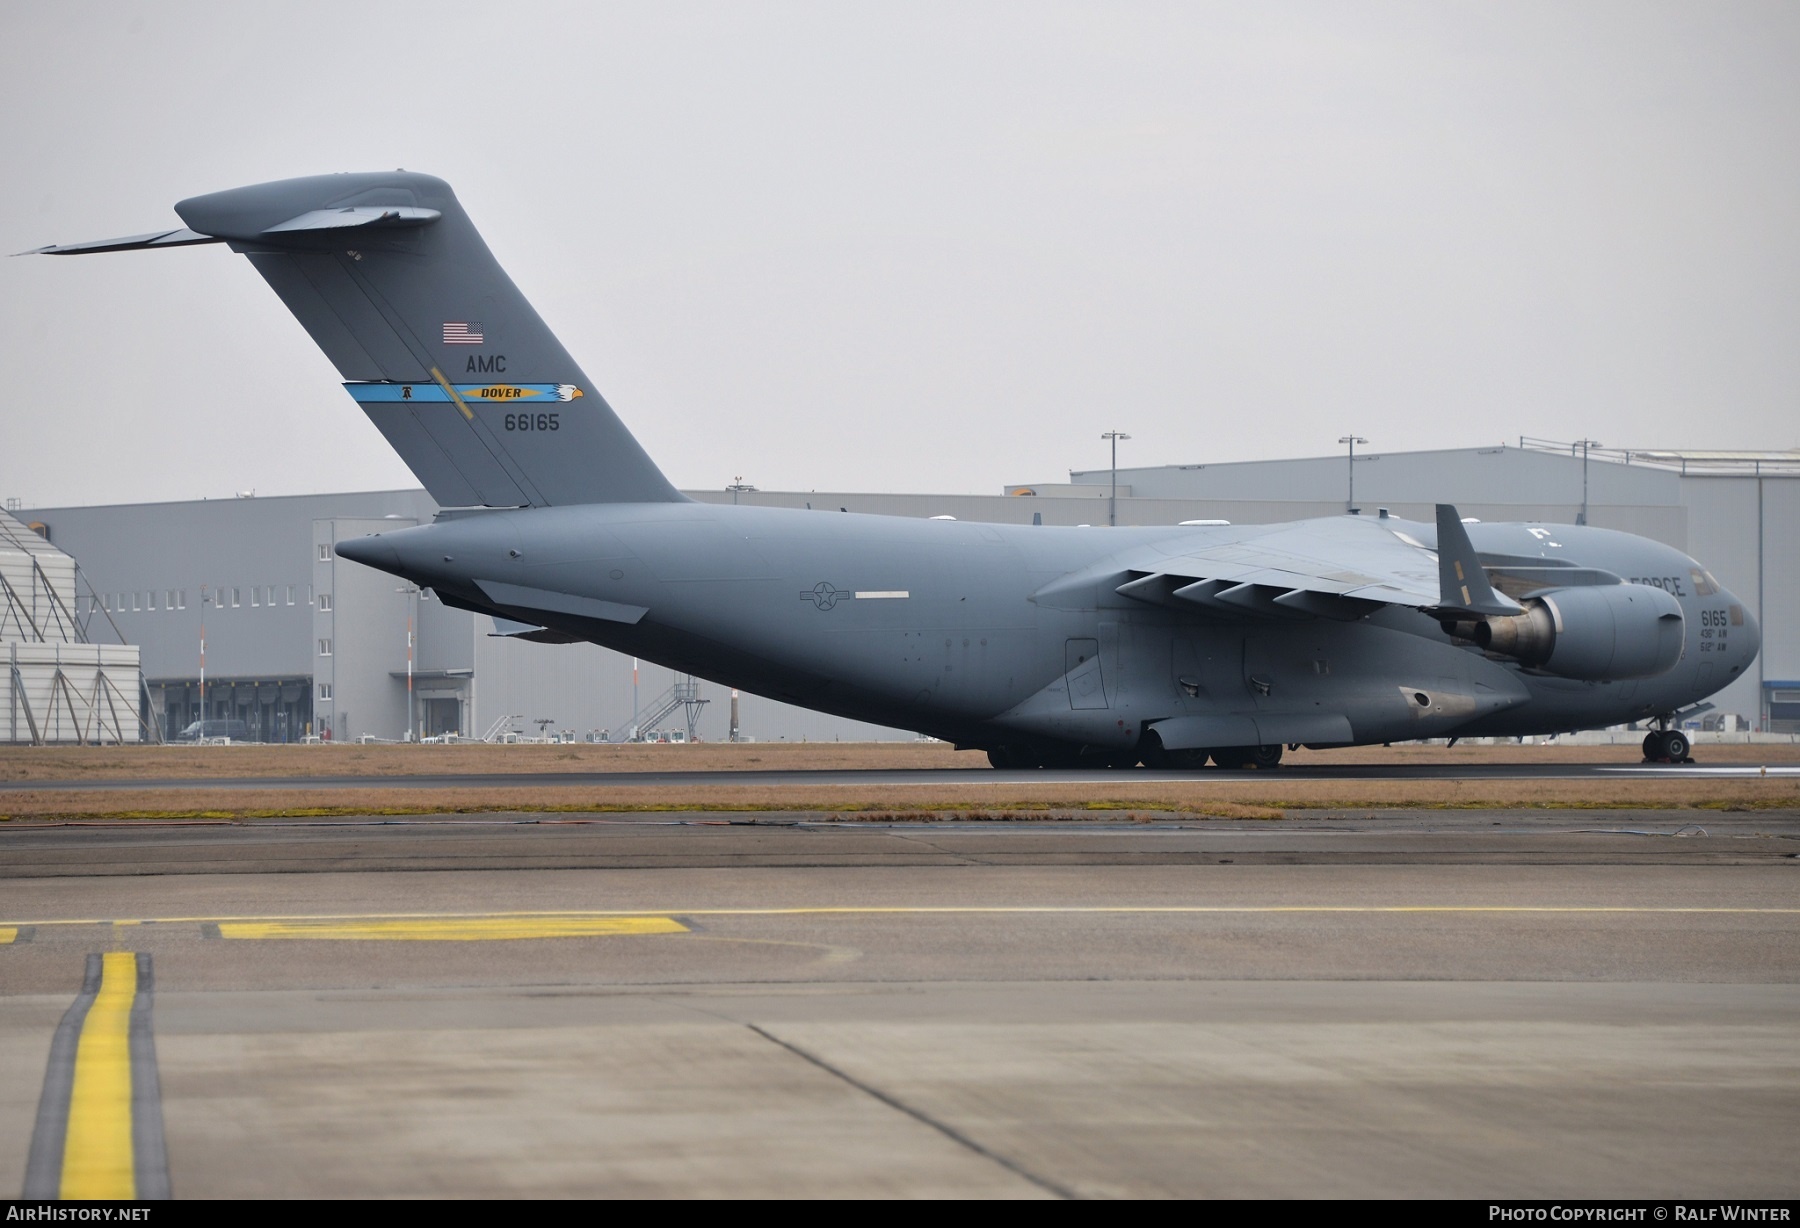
x: 1705, y: 770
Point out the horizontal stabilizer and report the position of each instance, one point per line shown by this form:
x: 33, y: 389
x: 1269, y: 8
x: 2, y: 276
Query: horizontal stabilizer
x: 156, y: 238
x: 507, y: 629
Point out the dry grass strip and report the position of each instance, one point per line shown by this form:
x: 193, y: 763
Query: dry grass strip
x: 22, y: 763
x: 1232, y: 799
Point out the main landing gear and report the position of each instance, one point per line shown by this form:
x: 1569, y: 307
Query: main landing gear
x: 1231, y: 758
x: 1666, y: 746
x: 1238, y: 758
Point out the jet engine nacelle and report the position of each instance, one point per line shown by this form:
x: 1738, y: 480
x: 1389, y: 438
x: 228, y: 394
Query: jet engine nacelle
x: 1605, y: 633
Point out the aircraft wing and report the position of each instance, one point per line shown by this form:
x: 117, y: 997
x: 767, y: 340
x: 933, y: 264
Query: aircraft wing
x: 1341, y: 568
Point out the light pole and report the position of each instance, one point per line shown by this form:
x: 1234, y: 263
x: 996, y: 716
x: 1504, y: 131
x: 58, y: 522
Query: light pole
x: 1584, y: 445
x: 412, y: 716
x: 1112, y: 502
x: 739, y: 486
x: 203, y: 660
x: 1350, y: 497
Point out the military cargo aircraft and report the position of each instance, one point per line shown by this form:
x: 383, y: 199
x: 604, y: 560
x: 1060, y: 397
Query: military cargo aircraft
x: 1043, y: 646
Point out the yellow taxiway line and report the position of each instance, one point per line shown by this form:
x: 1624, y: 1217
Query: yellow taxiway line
x: 98, y: 1161
x: 99, y: 1133
x: 453, y: 929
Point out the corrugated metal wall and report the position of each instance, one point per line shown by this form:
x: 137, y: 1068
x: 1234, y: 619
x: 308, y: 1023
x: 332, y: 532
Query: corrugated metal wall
x: 57, y: 688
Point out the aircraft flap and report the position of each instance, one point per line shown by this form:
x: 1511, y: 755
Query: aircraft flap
x: 1341, y: 567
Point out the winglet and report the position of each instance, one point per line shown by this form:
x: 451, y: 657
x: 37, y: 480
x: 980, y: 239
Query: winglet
x: 1462, y: 585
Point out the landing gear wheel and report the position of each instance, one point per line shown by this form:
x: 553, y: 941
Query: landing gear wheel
x: 1667, y: 746
x: 1238, y: 758
x: 1012, y: 758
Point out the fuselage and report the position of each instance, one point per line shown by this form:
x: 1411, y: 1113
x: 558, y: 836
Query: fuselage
x: 975, y: 632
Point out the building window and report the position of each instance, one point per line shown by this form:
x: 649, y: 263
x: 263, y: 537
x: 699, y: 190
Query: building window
x: 324, y: 553
x: 290, y: 594
x: 150, y: 600
x: 181, y: 596
x: 134, y: 603
x: 255, y: 592
x: 324, y: 601
x: 324, y: 690
x: 234, y: 598
x: 324, y: 648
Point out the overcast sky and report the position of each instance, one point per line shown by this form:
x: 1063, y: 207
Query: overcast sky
x: 930, y: 247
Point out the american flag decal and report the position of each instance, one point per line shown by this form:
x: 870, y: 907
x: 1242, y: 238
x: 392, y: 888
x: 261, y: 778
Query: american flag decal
x: 463, y: 332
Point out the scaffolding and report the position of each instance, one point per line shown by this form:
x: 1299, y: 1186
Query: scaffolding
x: 58, y: 686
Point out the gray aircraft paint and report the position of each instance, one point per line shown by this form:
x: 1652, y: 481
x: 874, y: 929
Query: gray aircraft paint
x: 1029, y: 641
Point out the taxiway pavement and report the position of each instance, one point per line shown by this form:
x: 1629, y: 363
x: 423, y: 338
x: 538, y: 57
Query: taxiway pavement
x: 1489, y: 1005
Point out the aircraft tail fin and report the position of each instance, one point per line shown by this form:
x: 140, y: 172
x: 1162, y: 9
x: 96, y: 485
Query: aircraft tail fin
x: 437, y: 345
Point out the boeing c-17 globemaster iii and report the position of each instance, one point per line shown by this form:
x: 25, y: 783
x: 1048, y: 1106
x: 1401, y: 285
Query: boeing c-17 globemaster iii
x: 1042, y: 646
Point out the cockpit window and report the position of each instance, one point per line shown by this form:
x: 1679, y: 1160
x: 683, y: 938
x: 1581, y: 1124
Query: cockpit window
x: 1704, y: 584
